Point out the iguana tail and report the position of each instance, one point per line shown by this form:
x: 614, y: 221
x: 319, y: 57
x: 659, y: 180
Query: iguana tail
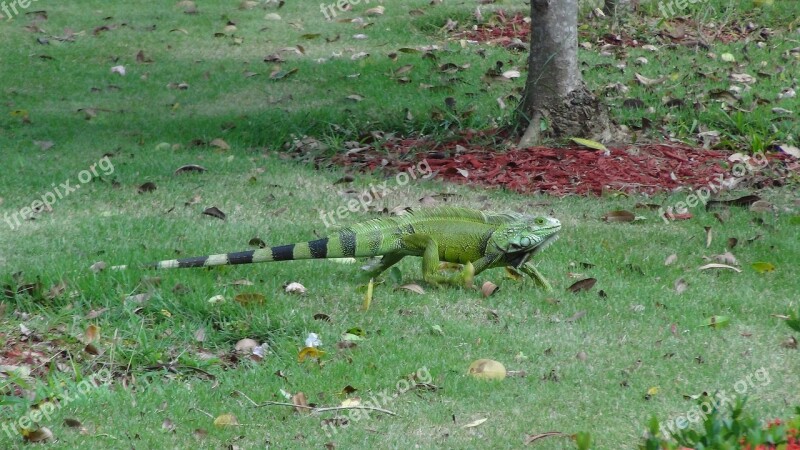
x: 347, y: 243
x: 304, y: 250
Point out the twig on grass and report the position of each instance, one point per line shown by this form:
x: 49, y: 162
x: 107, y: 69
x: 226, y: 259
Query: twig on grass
x: 332, y: 408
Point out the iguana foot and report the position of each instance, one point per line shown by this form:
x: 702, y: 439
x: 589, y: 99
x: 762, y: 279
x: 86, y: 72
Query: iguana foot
x: 464, y: 278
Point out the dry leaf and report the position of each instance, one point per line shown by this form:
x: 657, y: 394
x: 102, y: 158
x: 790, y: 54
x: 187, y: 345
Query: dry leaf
x: 245, y: 345
x: 762, y: 267
x: 619, y: 216
x: 415, y: 288
x: 219, y: 143
x: 576, y: 316
x: 226, y: 420
x: 300, y: 403
x: 309, y: 352
x: 475, y: 423
x: 671, y: 259
x: 146, y: 187
x: 200, y: 334
x: 582, y: 285
x: 190, y: 168
x: 92, y: 334
x: 39, y: 435
x: 719, y: 266
x: 488, y: 288
x: 681, y: 286
x: 214, y: 212
x: 295, y: 288
x: 531, y: 438
x: 248, y: 298
x: 487, y: 369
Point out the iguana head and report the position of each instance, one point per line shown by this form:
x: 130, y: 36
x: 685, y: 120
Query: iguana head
x: 520, y: 240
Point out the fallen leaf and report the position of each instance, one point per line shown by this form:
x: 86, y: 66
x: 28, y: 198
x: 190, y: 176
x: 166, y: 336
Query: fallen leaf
x: 717, y: 322
x: 190, y: 168
x: 670, y: 259
x: 681, y: 286
x: 92, y: 334
x: 214, y: 212
x: 415, y: 288
x: 761, y: 206
x: 368, y: 295
x: 582, y: 285
x: 744, y: 201
x: 487, y: 369
x: 249, y: 298
x: 594, y: 145
x: 44, y: 145
x: 531, y: 438
x: 220, y: 143
x: 763, y: 267
x: 200, y: 334
x: 226, y: 420
x: 376, y: 11
x: 295, y: 288
x: 576, y: 316
x: 309, y: 352
x: 719, y: 266
x: 726, y: 258
x: 488, y: 289
x: 300, y: 403
x: 245, y: 345
x: 475, y: 423
x: 146, y: 187
x: 42, y: 434
x: 619, y: 216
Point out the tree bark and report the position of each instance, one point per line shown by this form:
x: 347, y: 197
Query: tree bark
x: 554, y: 90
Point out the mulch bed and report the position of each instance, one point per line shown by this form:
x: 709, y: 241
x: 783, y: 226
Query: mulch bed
x: 647, y: 168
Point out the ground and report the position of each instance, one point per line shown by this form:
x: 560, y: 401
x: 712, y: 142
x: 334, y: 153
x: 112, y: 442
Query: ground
x: 191, y: 128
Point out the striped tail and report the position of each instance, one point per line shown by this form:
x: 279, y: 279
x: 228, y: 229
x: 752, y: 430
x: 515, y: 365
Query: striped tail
x: 317, y: 249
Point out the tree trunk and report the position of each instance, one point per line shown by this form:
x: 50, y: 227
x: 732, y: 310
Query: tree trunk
x: 554, y: 90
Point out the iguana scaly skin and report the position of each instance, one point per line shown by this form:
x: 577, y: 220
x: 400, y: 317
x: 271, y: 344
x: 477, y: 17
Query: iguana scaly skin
x: 478, y: 240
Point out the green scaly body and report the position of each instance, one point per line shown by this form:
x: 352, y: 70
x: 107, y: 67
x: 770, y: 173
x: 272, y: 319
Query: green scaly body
x: 478, y: 240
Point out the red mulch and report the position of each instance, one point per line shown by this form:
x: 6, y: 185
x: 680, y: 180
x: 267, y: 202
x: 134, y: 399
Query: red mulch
x: 648, y: 168
x: 502, y: 29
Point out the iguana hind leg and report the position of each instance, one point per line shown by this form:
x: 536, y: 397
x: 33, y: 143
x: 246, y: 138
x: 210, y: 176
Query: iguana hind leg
x: 386, y: 261
x: 430, y: 262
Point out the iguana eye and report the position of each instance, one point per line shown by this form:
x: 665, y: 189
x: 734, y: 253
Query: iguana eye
x: 539, y: 221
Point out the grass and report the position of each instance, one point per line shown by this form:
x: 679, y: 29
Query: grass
x: 624, y: 339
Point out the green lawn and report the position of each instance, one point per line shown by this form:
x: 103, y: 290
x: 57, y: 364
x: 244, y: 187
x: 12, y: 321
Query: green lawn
x: 589, y: 359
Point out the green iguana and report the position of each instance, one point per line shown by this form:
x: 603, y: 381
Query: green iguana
x: 478, y: 240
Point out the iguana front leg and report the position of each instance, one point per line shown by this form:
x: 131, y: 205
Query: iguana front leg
x: 534, y: 273
x: 430, y: 262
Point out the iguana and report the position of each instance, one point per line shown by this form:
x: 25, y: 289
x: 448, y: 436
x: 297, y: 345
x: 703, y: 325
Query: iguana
x: 476, y: 239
